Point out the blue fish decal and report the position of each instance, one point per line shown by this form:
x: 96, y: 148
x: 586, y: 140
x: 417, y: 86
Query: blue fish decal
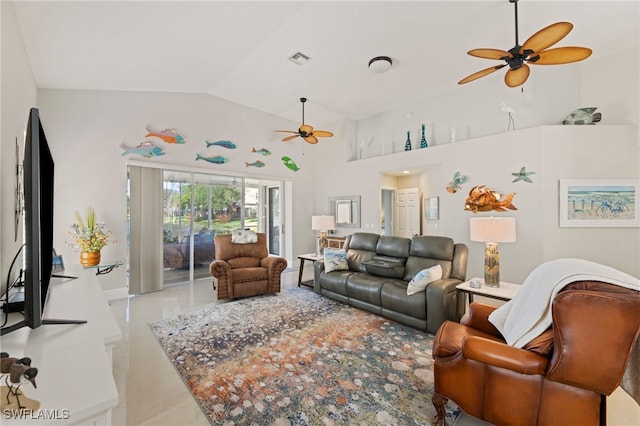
x: 146, y: 149
x: 218, y: 159
x: 224, y: 144
x: 261, y: 151
x: 290, y: 164
x: 255, y: 164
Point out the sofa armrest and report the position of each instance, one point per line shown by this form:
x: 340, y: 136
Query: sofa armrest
x: 501, y: 355
x: 478, y: 318
x: 441, y: 303
x: 318, y: 268
x: 222, y: 272
x: 275, y: 267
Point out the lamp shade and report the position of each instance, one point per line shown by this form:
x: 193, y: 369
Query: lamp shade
x: 322, y: 223
x: 493, y: 229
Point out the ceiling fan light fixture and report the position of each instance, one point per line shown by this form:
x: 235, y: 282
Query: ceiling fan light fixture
x: 380, y: 64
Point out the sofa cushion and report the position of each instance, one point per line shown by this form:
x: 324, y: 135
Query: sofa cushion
x: 335, y: 282
x: 423, y: 278
x: 335, y: 260
x: 243, y: 262
x: 394, y: 298
x: 364, y: 287
x: 361, y: 247
x: 396, y: 247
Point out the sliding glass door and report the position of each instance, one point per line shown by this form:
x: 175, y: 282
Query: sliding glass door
x: 199, y: 206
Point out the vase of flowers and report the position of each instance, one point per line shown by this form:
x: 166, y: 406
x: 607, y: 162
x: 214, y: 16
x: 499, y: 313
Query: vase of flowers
x: 89, y: 237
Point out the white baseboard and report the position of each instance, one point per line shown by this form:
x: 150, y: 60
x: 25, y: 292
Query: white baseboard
x: 116, y: 293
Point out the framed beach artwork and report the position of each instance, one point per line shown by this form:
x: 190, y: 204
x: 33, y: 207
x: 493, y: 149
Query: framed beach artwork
x: 604, y: 203
x: 430, y: 207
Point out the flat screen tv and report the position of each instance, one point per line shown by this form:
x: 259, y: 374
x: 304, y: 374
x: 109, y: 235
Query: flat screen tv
x: 38, y: 171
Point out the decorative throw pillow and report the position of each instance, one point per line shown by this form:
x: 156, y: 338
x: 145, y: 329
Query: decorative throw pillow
x: 243, y: 236
x: 335, y: 260
x: 422, y: 278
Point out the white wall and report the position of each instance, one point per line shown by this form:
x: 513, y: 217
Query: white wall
x: 85, y: 129
x: 553, y: 152
x: 19, y: 94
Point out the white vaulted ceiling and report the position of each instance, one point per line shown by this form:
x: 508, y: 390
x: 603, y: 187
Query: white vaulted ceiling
x: 239, y: 50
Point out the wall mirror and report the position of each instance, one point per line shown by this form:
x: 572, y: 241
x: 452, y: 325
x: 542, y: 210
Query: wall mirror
x: 346, y: 210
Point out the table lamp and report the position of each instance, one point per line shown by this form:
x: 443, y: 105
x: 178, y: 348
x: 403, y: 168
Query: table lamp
x: 322, y: 224
x: 491, y: 231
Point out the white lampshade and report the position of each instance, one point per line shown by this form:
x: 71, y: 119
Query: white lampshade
x: 322, y: 223
x: 493, y: 229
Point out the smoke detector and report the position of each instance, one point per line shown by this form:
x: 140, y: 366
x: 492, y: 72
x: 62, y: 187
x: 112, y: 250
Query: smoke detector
x: 380, y: 64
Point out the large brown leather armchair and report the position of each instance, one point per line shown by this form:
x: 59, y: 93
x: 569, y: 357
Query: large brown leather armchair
x: 243, y: 270
x: 560, y: 378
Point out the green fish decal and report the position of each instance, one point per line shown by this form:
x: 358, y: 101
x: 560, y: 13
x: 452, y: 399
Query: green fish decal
x: 255, y: 164
x: 218, y: 159
x: 146, y: 149
x: 290, y: 164
x: 261, y: 151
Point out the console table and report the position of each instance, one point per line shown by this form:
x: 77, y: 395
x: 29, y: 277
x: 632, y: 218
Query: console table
x: 75, y: 380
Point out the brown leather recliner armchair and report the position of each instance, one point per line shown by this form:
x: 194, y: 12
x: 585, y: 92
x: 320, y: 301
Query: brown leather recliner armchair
x: 560, y: 378
x: 244, y: 270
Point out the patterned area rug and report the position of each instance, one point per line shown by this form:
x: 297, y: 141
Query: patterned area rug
x: 298, y: 358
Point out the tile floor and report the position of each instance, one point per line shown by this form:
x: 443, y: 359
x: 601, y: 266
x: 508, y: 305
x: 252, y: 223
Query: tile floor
x: 151, y: 391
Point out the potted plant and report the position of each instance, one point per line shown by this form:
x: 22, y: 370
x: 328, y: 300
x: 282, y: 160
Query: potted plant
x: 89, y: 237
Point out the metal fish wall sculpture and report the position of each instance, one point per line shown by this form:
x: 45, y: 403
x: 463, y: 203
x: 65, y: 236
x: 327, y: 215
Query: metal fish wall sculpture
x: 484, y: 199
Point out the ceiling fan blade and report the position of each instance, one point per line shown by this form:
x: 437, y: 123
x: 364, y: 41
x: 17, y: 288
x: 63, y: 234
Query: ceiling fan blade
x: 547, y: 37
x: 288, y: 138
x: 311, y: 139
x: 322, y: 133
x: 305, y: 128
x: 561, y: 55
x: 490, y: 53
x: 287, y: 131
x: 514, y: 78
x: 482, y: 73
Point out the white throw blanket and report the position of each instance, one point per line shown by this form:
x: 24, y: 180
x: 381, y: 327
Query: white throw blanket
x: 528, y: 314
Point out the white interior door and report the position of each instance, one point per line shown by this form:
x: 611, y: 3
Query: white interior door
x: 407, y: 212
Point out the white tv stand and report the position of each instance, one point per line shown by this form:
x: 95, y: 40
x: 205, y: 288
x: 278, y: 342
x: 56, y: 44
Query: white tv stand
x: 74, y: 362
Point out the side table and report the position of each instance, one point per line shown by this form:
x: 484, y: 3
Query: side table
x: 304, y: 257
x: 506, y: 291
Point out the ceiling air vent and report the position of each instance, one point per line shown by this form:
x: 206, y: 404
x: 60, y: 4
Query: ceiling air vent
x: 299, y: 58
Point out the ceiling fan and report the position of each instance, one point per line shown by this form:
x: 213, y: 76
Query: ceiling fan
x: 533, y: 51
x: 305, y: 131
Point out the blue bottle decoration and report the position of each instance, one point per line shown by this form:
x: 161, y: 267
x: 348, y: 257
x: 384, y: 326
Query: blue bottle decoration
x: 407, y: 145
x: 423, y: 140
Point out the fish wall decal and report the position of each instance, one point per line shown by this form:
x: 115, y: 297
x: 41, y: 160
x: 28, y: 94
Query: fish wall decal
x: 224, y: 144
x: 255, y: 164
x: 167, y: 135
x: 218, y: 159
x: 484, y: 199
x: 146, y: 149
x: 290, y: 164
x: 456, y: 183
x: 261, y: 151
